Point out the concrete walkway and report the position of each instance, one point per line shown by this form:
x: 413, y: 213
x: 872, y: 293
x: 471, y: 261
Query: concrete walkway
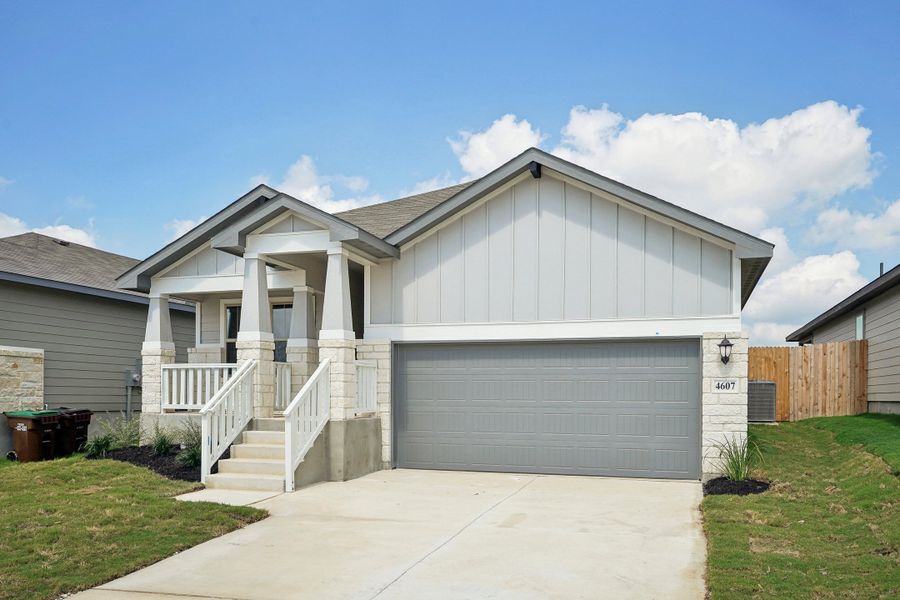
x: 420, y: 535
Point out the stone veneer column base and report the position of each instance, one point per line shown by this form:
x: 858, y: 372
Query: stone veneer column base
x: 304, y: 360
x: 152, y: 360
x: 343, y: 376
x: 724, y: 414
x: 380, y: 351
x: 264, y: 381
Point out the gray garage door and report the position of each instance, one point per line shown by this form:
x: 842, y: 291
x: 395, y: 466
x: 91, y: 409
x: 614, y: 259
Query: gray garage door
x: 595, y: 408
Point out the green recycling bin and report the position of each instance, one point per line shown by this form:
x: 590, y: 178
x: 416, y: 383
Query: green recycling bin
x: 33, y: 433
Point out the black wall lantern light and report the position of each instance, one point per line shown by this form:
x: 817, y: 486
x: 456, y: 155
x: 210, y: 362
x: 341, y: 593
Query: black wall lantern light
x: 725, y: 349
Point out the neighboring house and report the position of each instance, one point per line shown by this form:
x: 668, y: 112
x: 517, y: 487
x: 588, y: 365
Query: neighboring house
x: 871, y: 313
x: 540, y: 319
x: 61, y: 298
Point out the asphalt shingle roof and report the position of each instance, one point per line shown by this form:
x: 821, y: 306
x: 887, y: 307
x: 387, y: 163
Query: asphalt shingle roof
x: 36, y: 255
x: 387, y: 217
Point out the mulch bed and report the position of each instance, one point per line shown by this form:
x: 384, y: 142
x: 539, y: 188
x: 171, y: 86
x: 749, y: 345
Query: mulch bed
x: 167, y: 466
x: 721, y: 485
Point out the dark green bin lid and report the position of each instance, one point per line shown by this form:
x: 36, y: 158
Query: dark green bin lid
x: 32, y: 414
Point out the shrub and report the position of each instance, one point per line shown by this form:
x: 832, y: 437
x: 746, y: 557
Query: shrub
x: 124, y: 432
x: 736, y: 457
x: 98, y: 446
x: 162, y: 441
x: 190, y: 456
x: 190, y: 436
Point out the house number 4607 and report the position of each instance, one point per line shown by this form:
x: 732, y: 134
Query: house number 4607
x: 726, y: 385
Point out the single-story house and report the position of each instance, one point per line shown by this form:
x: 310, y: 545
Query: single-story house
x: 542, y: 319
x: 871, y: 313
x: 67, y: 333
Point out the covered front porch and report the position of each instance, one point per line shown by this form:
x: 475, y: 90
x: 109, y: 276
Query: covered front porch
x: 280, y: 297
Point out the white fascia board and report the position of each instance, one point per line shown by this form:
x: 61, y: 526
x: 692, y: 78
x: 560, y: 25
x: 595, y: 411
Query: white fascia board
x: 288, y: 243
x: 553, y: 330
x: 207, y: 284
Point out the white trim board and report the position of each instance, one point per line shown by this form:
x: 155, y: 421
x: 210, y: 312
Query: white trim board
x: 553, y: 330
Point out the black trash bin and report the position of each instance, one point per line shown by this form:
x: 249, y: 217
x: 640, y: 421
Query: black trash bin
x: 72, y: 434
x: 33, y: 433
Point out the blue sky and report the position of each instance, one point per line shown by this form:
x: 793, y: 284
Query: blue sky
x: 127, y: 121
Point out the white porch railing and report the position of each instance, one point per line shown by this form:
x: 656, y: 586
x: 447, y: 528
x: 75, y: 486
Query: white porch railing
x: 304, y: 419
x: 191, y: 386
x: 366, y: 386
x: 282, y: 385
x: 225, y: 416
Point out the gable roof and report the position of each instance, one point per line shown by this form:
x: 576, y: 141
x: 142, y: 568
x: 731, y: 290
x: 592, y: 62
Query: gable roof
x: 386, y: 217
x: 875, y: 288
x: 36, y: 255
x: 37, y: 259
x: 380, y: 229
x: 403, y: 220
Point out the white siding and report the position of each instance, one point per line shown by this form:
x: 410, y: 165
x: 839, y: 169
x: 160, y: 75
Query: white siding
x: 545, y: 250
x: 208, y: 262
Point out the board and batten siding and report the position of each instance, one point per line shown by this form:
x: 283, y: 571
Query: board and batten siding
x: 546, y: 250
x: 88, y: 342
x: 881, y: 327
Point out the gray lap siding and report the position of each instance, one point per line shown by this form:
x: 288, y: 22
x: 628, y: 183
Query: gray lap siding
x: 88, y: 341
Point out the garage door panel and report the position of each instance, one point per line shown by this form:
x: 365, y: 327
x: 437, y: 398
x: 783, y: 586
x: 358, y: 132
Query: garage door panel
x: 598, y: 408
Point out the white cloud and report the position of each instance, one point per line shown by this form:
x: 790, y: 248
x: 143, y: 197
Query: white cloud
x: 479, y: 153
x: 5, y: 182
x: 179, y: 227
x: 435, y: 183
x: 867, y: 231
x: 802, y: 291
x: 764, y: 333
x: 738, y: 175
x: 10, y: 225
x: 303, y: 181
x: 783, y: 256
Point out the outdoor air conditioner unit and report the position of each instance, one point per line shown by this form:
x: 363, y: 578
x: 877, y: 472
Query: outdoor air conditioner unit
x: 761, y: 401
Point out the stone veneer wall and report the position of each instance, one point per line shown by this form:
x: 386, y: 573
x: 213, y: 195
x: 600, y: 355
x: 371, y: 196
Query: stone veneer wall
x: 380, y: 351
x: 343, y: 376
x: 724, y: 414
x: 21, y: 378
x: 206, y: 354
x: 151, y: 377
x: 304, y: 360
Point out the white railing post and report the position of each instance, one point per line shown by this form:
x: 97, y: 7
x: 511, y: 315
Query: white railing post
x: 205, y: 467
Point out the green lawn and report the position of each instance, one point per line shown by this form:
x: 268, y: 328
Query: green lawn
x: 879, y: 434
x: 828, y: 528
x: 71, y: 524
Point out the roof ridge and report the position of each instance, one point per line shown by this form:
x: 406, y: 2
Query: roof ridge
x: 61, y: 241
x: 464, y: 184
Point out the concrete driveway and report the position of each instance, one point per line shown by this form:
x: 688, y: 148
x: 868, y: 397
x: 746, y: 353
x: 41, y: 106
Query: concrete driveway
x: 420, y: 535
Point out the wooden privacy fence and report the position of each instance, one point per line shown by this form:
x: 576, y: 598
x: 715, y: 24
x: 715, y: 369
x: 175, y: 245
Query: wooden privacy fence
x: 816, y: 380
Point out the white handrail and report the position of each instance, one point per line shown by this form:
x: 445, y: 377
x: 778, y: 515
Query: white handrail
x: 282, y: 385
x: 304, y: 419
x: 225, y: 416
x: 366, y: 386
x: 190, y: 386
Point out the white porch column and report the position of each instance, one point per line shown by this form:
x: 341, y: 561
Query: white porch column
x: 302, y: 349
x: 337, y: 319
x: 255, y: 339
x: 158, y: 349
x: 336, y: 339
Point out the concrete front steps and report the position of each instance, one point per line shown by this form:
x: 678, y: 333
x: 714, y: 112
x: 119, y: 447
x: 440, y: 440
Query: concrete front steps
x: 257, y: 460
